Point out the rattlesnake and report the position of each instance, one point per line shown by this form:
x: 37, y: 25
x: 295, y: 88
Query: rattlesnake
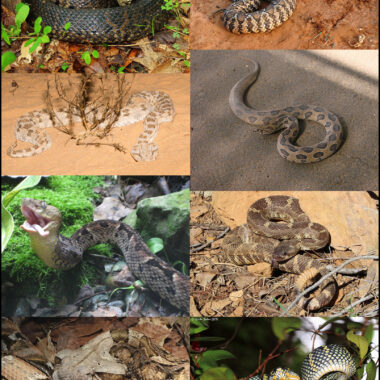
x: 271, y: 121
x: 263, y: 239
x: 156, y: 107
x: 329, y: 362
x: 243, y: 16
x: 43, y: 223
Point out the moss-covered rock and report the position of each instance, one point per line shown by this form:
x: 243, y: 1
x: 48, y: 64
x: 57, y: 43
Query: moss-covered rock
x: 166, y: 217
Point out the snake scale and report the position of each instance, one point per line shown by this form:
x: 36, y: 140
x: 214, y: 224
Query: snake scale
x: 102, y: 25
x: 271, y: 121
x: 244, y: 16
x: 331, y: 362
x: 276, y: 230
x: 152, y: 107
x: 43, y: 223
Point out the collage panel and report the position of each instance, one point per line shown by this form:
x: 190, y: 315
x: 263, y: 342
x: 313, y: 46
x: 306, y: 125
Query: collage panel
x: 284, y: 24
x: 96, y: 348
x: 245, y: 107
x: 90, y: 124
x: 299, y: 253
x: 283, y: 348
x: 139, y: 267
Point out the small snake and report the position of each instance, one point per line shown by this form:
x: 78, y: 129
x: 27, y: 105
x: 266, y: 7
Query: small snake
x: 244, y: 16
x: 332, y: 362
x: 271, y: 121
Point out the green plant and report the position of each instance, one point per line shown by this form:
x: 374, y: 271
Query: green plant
x: 7, y: 223
x: 86, y: 56
x: 174, y: 6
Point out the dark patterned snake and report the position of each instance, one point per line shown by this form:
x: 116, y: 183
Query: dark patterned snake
x: 332, y: 362
x: 43, y: 223
x: 244, y: 16
x: 103, y: 25
x: 271, y: 121
x: 264, y: 239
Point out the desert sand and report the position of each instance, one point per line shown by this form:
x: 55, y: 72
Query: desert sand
x: 317, y: 24
x: 23, y: 93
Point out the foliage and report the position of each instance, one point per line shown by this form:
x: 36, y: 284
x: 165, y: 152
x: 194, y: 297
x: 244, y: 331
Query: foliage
x: 207, y: 360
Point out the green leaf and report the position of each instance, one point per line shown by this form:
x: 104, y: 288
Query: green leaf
x: 95, y: 54
x: 67, y: 26
x: 282, y: 326
x: 210, y: 358
x: 6, y: 59
x: 186, y: 63
x: 5, y: 36
x: 207, y: 339
x: 29, y: 42
x: 45, y: 39
x: 7, y: 224
x: 371, y: 370
x: 37, y: 43
x: 360, y: 341
x: 46, y: 30
x: 86, y: 57
x: 218, y: 373
x: 155, y: 245
x: 37, y: 25
x: 65, y: 66
x: 198, y: 325
x: 121, y: 69
x: 368, y: 333
x: 22, y: 13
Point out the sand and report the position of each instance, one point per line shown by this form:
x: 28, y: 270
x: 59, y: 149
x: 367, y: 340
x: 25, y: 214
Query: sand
x: 228, y: 155
x: 65, y: 157
x: 317, y: 24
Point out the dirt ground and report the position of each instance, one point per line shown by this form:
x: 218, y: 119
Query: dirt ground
x: 317, y: 24
x: 224, y: 289
x: 227, y: 155
x: 24, y: 93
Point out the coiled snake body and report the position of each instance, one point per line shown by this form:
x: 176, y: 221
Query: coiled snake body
x: 330, y: 362
x: 103, y: 25
x: 263, y: 239
x: 43, y: 223
x: 243, y: 16
x: 271, y: 121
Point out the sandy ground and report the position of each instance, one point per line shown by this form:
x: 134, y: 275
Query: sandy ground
x: 317, y: 24
x: 228, y: 155
x: 65, y: 157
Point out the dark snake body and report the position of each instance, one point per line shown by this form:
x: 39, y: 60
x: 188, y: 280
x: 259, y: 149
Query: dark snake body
x: 103, y: 25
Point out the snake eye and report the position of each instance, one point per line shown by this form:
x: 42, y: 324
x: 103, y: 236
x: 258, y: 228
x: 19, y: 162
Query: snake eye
x: 43, y: 204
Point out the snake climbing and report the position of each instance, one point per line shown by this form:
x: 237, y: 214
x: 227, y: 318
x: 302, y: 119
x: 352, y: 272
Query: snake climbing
x: 271, y: 121
x: 244, y: 16
x: 331, y: 362
x: 43, y: 223
x: 99, y: 21
x: 276, y: 230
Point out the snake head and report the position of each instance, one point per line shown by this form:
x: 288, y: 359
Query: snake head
x: 40, y: 217
x: 284, y: 251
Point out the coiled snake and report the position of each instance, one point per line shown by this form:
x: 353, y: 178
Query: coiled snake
x: 243, y: 16
x: 271, y: 121
x: 102, y: 25
x: 263, y: 239
x: 43, y: 223
x: 330, y: 362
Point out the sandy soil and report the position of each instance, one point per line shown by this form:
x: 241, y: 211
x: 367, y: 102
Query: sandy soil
x: 65, y: 157
x: 228, y: 155
x: 317, y: 24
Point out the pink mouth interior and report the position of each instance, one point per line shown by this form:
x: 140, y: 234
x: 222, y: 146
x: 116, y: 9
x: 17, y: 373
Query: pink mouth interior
x: 34, y: 222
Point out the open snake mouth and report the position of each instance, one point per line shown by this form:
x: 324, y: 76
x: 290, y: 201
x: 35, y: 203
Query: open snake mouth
x: 34, y: 222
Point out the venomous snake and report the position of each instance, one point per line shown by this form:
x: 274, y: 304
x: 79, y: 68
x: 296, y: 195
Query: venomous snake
x: 102, y: 25
x: 331, y: 362
x: 276, y: 230
x: 271, y: 121
x: 244, y: 16
x: 43, y: 223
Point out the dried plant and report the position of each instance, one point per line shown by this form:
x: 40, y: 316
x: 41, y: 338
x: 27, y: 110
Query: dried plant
x: 97, y: 108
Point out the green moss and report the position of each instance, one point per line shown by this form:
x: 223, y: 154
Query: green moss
x: 72, y: 195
